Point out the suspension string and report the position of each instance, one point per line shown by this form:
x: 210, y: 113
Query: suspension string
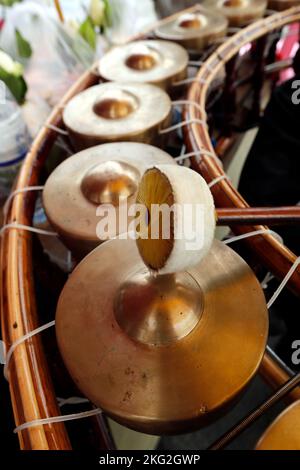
x: 190, y: 103
x: 268, y: 277
x: 189, y: 80
x: 28, y: 228
x: 217, y: 180
x: 19, y: 191
x: 199, y: 153
x: 21, y: 340
x: 71, y: 401
x: 57, y: 129
x: 249, y: 234
x: 57, y: 419
x: 284, y: 282
x: 179, y: 125
x: 62, y: 145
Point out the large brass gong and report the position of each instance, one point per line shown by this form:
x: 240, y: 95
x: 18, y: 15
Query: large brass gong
x: 161, y: 354
x: 105, y: 174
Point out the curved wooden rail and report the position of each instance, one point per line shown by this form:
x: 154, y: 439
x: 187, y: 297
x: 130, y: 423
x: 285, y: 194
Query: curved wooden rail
x: 276, y: 257
x: 31, y: 388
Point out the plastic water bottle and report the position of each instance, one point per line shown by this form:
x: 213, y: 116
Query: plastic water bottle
x: 14, y: 138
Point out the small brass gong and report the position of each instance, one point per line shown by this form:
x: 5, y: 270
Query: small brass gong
x: 239, y: 12
x: 112, y: 112
x: 158, y: 62
x: 161, y: 354
x: 195, y: 30
x: 284, y: 433
x: 105, y: 174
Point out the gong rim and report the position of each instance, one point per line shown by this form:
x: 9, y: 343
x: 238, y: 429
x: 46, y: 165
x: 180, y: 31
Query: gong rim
x: 169, y: 388
x: 284, y: 432
x: 72, y: 214
x: 171, y: 62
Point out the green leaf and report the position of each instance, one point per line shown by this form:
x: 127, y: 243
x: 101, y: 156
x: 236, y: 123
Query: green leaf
x: 107, y: 15
x: 16, y: 85
x: 24, y: 48
x: 88, y: 33
x: 9, y: 3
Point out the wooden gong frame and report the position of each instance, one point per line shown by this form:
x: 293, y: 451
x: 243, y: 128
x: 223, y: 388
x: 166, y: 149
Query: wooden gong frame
x: 31, y: 387
x: 271, y: 253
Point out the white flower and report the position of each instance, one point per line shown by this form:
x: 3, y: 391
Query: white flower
x: 97, y: 11
x: 10, y: 66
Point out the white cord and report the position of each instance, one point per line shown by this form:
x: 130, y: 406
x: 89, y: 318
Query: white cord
x: 179, y: 125
x: 71, y: 401
x: 15, y: 225
x: 19, y: 191
x: 268, y: 277
x: 217, y: 180
x: 56, y: 129
x: 284, y: 282
x: 57, y: 419
x: 199, y: 153
x: 20, y: 341
x: 191, y: 103
x: 248, y: 235
x: 187, y: 81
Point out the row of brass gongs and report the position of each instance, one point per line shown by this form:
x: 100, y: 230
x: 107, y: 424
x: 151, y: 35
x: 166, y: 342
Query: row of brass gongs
x: 159, y: 353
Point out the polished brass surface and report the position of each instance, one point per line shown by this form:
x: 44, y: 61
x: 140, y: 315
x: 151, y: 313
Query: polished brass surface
x: 115, y: 108
x: 191, y: 21
x: 108, y: 173
x: 239, y: 12
x: 112, y: 112
x: 141, y: 62
x: 195, y: 30
x: 149, y: 61
x: 110, y: 182
x: 158, y: 309
x: 154, y: 374
x: 284, y: 432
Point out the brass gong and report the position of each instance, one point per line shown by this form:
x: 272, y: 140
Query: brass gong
x: 284, y: 433
x: 239, y: 12
x: 105, y: 174
x: 161, y: 354
x: 112, y: 112
x: 158, y: 62
x: 195, y: 30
